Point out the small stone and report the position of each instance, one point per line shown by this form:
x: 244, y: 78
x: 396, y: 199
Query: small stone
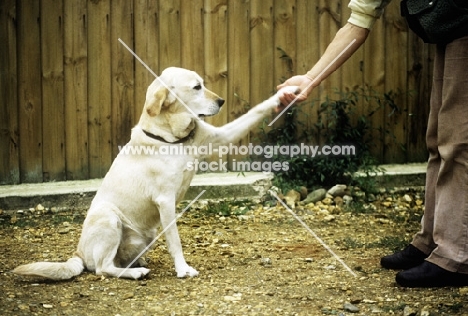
x: 324, y: 212
x: 359, y: 194
x: 265, y: 261
x: 368, y: 301
x: 48, y: 306
x: 127, y: 296
x: 23, y: 307
x: 315, y: 196
x: 302, y: 190
x: 337, y: 190
x: 65, y: 230
x: 350, y: 308
x: 329, y: 218
x: 39, y: 207
x: 233, y: 298
x: 347, y: 199
x: 408, y: 311
x: 338, y: 201
x: 407, y: 198
x: 243, y: 218
x: 463, y: 290
x: 292, y: 197
x: 308, y: 259
x: 425, y: 313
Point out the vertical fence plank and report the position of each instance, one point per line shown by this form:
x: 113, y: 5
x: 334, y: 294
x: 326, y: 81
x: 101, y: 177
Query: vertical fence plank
x: 417, y: 99
x: 215, y: 45
x: 192, y: 36
x: 285, y: 39
x: 396, y: 36
x: 122, y: 69
x: 169, y: 33
x: 99, y: 88
x: 414, y: 81
x: 308, y: 53
x: 329, y: 23
x: 146, y: 47
x: 53, y: 104
x: 261, y: 49
x: 216, y: 52
x: 262, y: 54
x: 9, y: 140
x: 76, y: 98
x: 374, y: 78
x: 29, y: 91
x: 238, y: 95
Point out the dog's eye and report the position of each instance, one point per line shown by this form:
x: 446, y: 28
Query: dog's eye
x: 198, y: 87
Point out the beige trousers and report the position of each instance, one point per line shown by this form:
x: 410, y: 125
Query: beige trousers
x: 444, y: 227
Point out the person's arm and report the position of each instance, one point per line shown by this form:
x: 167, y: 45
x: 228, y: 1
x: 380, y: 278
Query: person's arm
x: 327, y: 63
x: 363, y: 15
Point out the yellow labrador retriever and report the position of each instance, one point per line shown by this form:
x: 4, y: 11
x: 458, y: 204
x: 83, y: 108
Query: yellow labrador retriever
x: 140, y: 192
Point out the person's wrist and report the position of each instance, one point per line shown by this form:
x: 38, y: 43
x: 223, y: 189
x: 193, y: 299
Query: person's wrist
x: 308, y: 76
x: 312, y: 82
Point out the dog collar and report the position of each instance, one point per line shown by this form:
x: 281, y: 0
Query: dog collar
x: 159, y: 138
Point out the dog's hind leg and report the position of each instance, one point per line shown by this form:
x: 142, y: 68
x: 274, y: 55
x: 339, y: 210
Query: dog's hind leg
x: 101, y: 239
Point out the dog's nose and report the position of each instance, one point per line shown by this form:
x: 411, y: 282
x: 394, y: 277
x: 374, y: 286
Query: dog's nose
x: 220, y: 102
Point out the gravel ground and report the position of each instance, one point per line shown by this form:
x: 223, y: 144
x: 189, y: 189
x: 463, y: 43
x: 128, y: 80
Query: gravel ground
x: 254, y: 259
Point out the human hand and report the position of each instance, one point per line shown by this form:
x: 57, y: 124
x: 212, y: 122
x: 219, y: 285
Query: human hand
x: 305, y: 87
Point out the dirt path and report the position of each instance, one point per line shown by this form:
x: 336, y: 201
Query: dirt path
x: 262, y: 262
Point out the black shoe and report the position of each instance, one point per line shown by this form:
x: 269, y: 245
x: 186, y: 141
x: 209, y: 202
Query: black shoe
x: 407, y: 258
x: 430, y: 275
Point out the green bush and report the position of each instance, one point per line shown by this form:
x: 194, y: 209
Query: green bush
x: 337, y: 124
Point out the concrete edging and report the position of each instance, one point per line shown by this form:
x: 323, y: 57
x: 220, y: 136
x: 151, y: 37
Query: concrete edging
x: 217, y: 185
x: 81, y: 193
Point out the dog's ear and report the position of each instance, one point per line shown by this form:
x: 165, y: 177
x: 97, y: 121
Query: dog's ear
x: 156, y: 99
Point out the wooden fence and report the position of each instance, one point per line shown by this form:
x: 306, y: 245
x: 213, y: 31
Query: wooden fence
x: 71, y: 92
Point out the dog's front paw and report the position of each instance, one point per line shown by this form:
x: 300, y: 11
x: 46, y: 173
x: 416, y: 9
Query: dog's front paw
x: 276, y: 98
x: 288, y: 89
x: 187, y: 272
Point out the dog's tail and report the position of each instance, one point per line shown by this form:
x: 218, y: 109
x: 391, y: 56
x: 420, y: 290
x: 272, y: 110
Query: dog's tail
x: 53, y: 270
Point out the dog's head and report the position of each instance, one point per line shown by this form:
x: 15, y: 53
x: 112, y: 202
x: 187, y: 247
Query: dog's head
x: 181, y: 87
x: 176, y: 99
